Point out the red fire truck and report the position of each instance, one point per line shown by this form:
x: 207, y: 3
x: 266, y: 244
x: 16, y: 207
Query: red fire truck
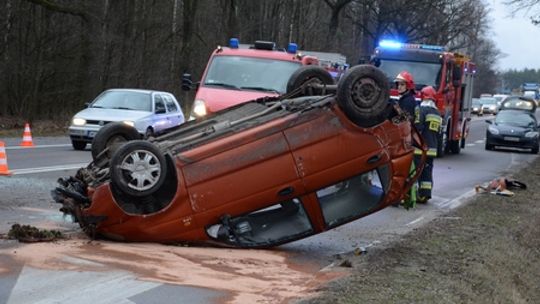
x: 451, y: 74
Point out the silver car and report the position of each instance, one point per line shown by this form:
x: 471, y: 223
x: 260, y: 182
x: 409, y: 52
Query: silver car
x: 489, y: 105
x: 150, y: 112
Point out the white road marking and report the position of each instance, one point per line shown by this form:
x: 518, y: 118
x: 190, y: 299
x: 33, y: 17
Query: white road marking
x: 458, y: 201
x: 471, y: 145
x: 48, y: 169
x: 481, y: 141
x: 38, y: 147
x: 47, y: 286
x: 415, y: 221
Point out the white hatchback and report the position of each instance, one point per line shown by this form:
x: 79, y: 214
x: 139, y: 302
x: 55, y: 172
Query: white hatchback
x: 150, y: 112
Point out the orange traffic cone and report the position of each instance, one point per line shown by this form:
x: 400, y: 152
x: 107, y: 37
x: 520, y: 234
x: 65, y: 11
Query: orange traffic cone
x: 27, y: 137
x: 3, y: 160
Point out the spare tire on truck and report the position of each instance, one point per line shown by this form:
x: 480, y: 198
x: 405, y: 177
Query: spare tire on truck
x: 111, y: 136
x: 309, y: 73
x: 138, y: 168
x: 363, y: 94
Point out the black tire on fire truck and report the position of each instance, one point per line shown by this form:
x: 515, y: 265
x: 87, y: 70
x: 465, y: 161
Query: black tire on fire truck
x: 363, y: 94
x: 138, y: 168
x: 111, y: 136
x: 455, y: 147
x: 309, y: 73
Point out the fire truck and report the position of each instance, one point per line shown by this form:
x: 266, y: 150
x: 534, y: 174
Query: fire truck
x: 450, y: 74
x: 241, y: 72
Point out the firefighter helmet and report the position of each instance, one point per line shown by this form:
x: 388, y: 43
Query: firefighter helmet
x: 428, y: 93
x: 406, y: 77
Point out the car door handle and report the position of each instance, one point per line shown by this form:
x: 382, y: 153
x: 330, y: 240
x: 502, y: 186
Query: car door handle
x: 374, y: 159
x: 286, y: 191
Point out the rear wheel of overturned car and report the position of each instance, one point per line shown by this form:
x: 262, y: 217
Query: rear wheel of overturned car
x: 78, y: 145
x: 110, y: 137
x: 138, y: 168
x: 308, y: 74
x: 363, y: 95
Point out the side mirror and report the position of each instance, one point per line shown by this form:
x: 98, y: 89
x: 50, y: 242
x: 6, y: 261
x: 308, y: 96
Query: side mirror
x: 489, y: 121
x: 187, y: 82
x: 456, y: 76
x: 87, y: 104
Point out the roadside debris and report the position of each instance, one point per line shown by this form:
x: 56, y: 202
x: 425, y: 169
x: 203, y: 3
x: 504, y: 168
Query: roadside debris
x: 31, y: 234
x: 500, y: 186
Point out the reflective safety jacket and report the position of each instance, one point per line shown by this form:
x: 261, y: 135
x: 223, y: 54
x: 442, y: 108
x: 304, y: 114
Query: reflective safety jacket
x: 428, y: 122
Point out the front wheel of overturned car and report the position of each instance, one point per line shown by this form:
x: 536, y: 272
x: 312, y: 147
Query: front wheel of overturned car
x: 308, y: 74
x: 111, y: 137
x: 363, y: 95
x: 138, y: 168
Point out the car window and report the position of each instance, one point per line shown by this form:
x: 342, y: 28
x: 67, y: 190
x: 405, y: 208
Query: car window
x: 124, y: 100
x: 169, y: 103
x: 160, y: 105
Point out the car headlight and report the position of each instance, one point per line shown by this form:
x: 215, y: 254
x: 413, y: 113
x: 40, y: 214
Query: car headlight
x: 493, y: 130
x: 129, y: 123
x: 199, y: 108
x: 78, y: 121
x: 531, y: 134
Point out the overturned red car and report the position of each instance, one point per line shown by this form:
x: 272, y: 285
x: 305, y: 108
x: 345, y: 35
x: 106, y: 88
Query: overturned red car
x: 259, y: 174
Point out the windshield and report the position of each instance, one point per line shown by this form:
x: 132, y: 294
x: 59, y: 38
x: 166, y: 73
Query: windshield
x: 125, y: 100
x: 247, y: 73
x: 515, y: 118
x: 476, y: 102
x: 424, y: 73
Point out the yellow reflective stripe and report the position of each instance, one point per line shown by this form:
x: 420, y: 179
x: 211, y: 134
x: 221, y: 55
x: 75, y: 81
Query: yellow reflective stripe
x: 430, y: 152
x: 434, y: 117
x: 426, y: 185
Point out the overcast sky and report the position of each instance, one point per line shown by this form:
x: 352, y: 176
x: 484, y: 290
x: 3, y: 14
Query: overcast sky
x: 516, y: 37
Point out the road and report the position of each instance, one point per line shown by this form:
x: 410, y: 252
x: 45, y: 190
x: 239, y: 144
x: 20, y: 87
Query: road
x: 111, y: 272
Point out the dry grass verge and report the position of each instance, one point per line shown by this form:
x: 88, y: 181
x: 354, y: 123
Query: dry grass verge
x: 487, y: 251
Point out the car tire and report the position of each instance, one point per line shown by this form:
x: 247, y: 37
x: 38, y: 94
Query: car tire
x: 111, y: 137
x: 309, y: 73
x: 363, y: 94
x: 138, y: 168
x: 535, y: 150
x: 455, y: 146
x: 78, y: 145
x: 489, y: 147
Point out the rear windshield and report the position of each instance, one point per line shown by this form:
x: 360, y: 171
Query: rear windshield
x: 125, y: 100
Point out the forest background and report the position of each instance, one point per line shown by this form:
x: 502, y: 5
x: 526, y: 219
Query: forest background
x: 58, y: 55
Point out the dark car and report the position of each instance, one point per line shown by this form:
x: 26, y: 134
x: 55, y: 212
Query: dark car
x: 514, y: 126
x: 259, y: 174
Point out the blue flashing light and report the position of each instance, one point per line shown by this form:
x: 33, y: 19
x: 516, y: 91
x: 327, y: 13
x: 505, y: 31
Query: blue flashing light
x: 391, y: 44
x: 234, y: 43
x: 292, y: 48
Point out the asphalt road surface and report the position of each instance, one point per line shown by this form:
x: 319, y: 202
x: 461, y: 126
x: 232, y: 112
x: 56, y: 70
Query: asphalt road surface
x: 80, y: 271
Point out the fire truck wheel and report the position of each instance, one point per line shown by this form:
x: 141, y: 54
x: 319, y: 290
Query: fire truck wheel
x: 111, y: 136
x: 363, y: 94
x: 138, y: 168
x: 312, y: 74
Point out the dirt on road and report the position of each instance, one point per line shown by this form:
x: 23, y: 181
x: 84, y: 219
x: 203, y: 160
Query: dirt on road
x: 487, y: 251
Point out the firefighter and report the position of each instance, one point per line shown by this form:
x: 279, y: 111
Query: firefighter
x: 405, y: 86
x: 428, y: 122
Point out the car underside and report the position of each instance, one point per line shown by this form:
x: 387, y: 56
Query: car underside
x: 259, y: 174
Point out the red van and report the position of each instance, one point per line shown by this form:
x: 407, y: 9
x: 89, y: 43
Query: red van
x: 238, y: 73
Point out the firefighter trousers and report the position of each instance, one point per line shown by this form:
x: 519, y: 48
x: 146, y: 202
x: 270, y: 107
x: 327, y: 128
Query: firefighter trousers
x: 425, y: 181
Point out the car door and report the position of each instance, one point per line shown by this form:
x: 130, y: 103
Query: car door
x: 160, y: 121
x: 174, y: 113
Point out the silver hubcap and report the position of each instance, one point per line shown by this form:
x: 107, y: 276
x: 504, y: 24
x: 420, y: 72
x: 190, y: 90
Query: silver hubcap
x: 144, y: 169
